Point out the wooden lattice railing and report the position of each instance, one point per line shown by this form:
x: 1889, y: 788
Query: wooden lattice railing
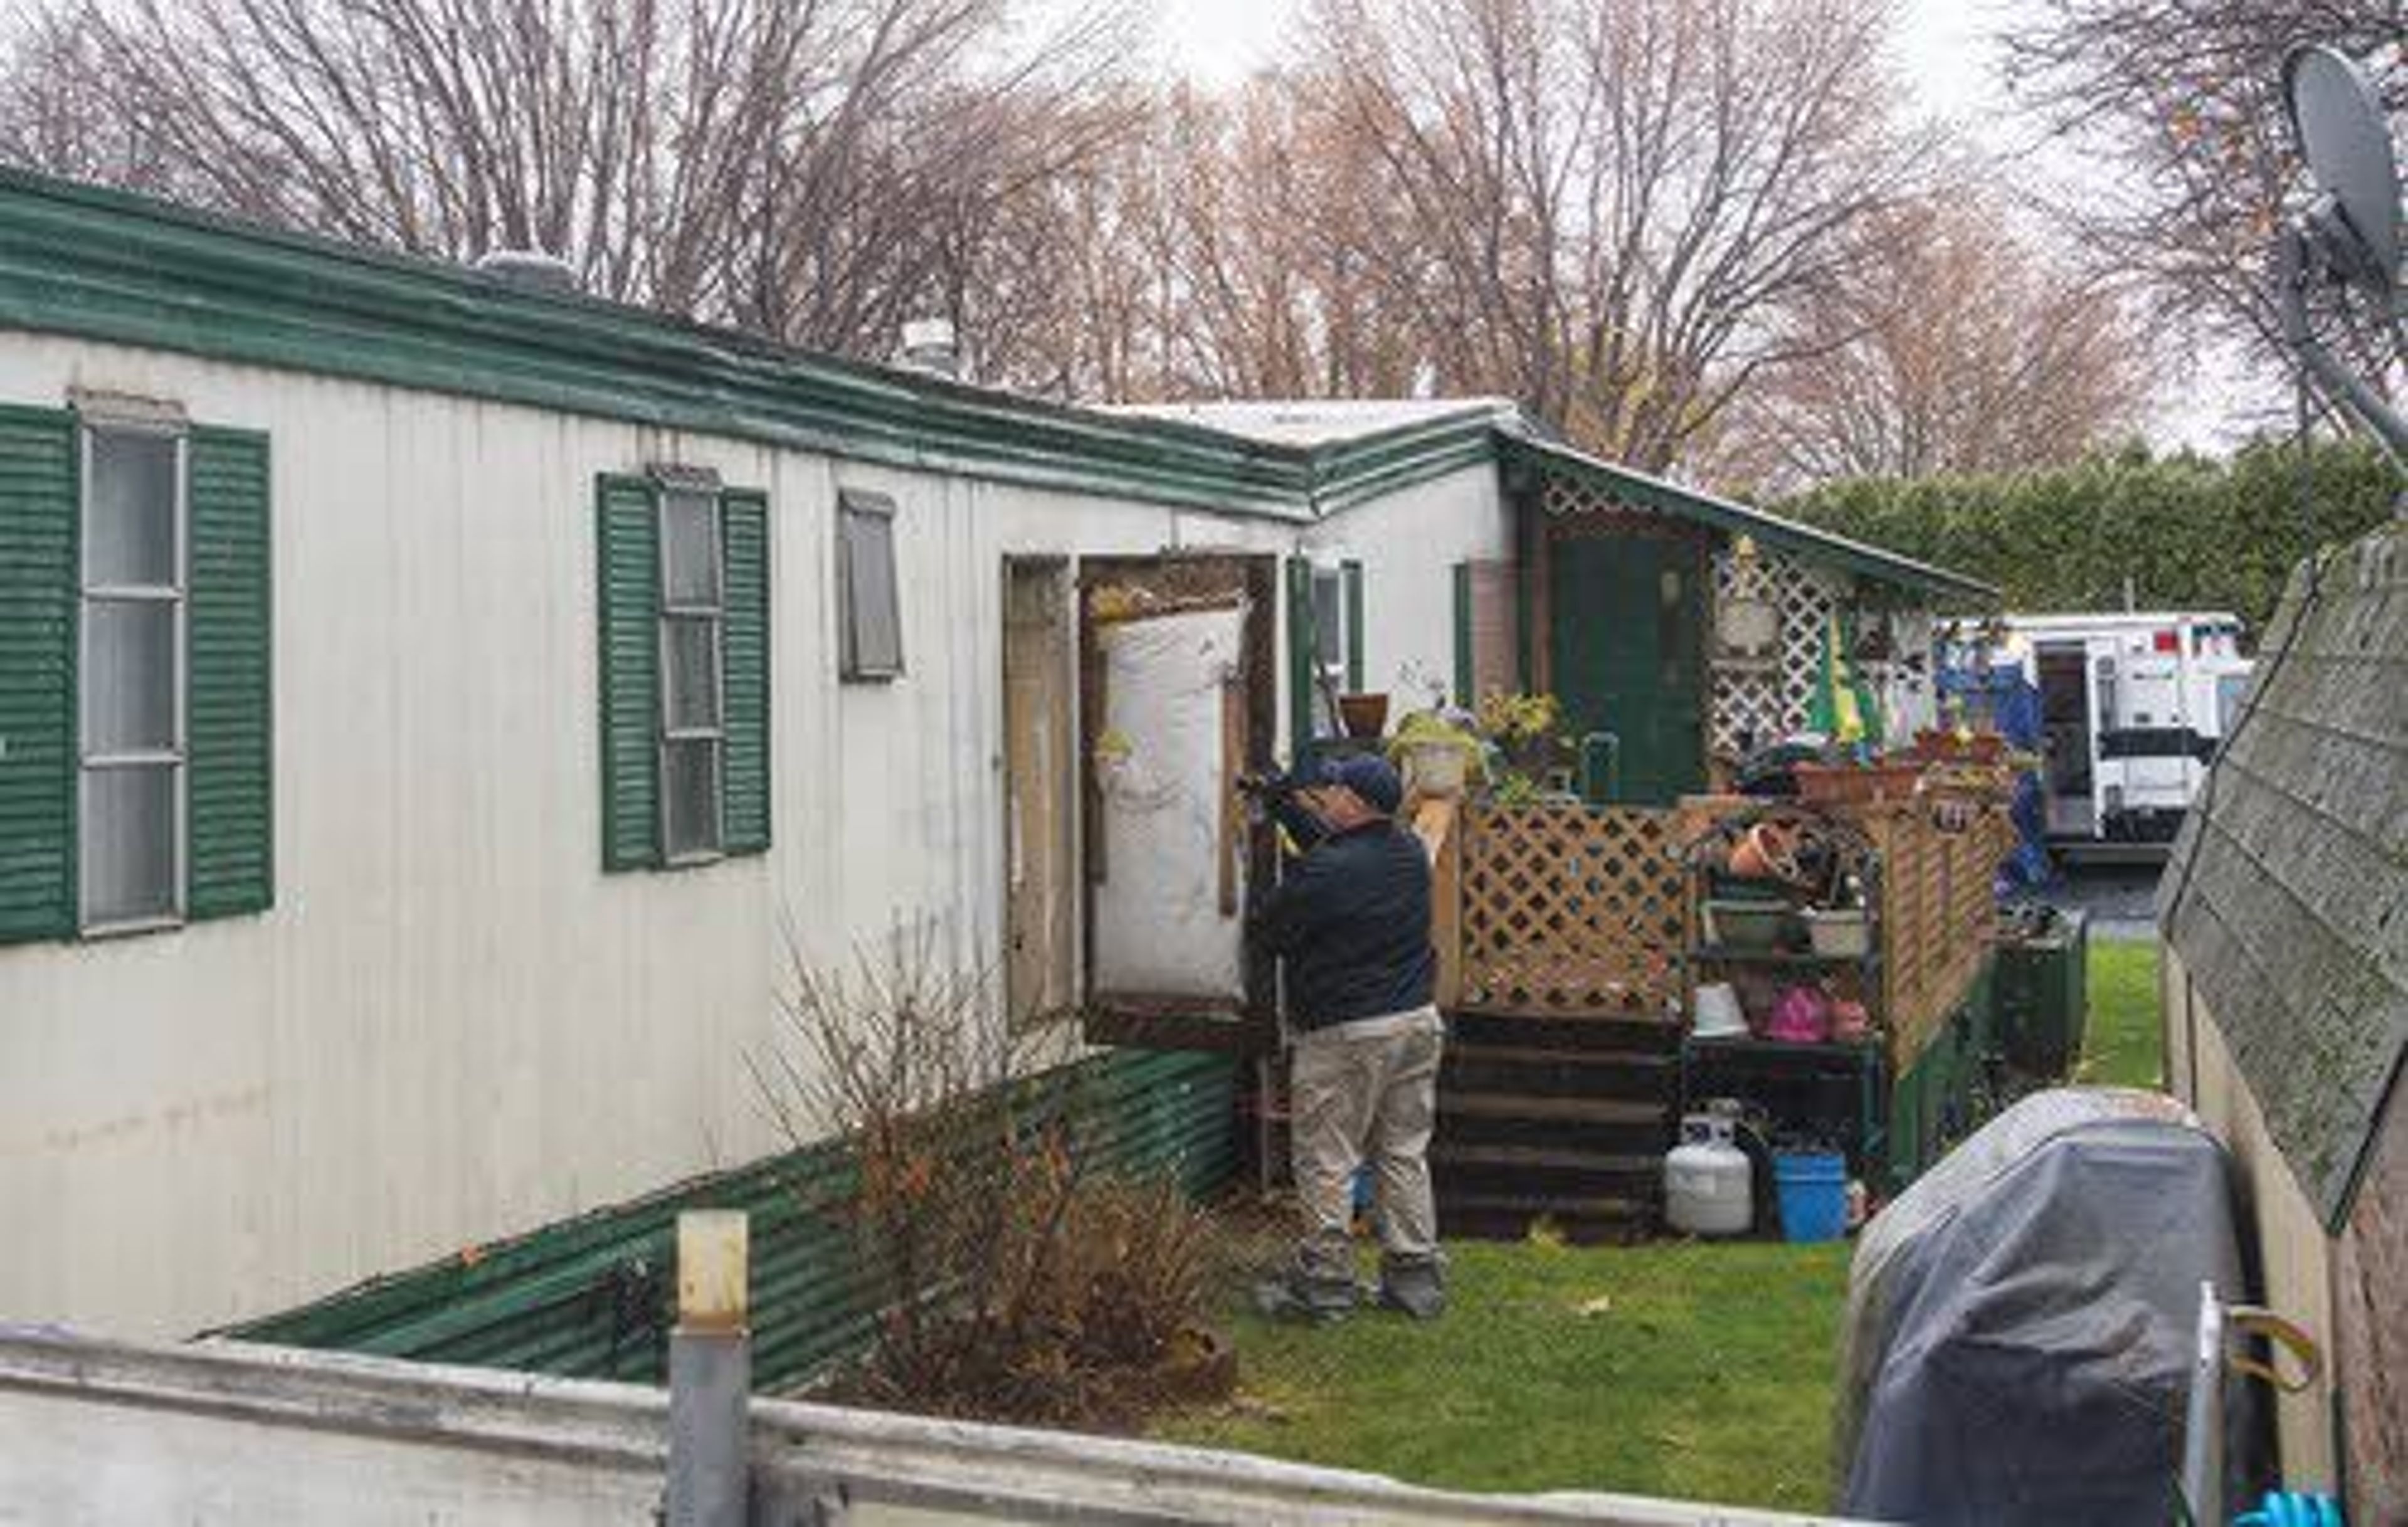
x: 1568, y: 910
x: 1938, y: 913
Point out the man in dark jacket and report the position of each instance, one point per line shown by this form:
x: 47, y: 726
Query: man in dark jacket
x: 1350, y: 919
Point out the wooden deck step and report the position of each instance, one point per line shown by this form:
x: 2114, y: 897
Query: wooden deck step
x: 1511, y: 1216
x: 1545, y: 1173
x: 1615, y: 1126
x: 1534, y: 1073
x: 1560, y: 1119
x: 1536, y: 1159
x: 1552, y: 1109
x: 1627, y: 1035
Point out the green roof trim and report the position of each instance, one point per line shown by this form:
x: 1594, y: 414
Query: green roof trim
x: 110, y: 266
x: 1644, y: 490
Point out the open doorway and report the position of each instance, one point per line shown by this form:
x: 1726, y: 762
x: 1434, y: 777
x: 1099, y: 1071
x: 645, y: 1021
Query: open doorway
x: 1040, y: 797
x: 1176, y: 703
x: 2067, y: 743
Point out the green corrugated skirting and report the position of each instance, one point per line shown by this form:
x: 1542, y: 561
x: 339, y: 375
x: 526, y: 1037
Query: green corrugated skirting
x: 591, y: 1297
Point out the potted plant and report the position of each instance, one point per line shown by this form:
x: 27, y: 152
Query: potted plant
x: 1527, y: 732
x: 1436, y: 756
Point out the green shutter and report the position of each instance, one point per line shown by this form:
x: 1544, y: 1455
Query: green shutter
x: 744, y: 534
x: 1299, y: 656
x: 1351, y: 584
x: 230, y: 845
x: 627, y: 531
x: 37, y: 647
x: 1463, y: 677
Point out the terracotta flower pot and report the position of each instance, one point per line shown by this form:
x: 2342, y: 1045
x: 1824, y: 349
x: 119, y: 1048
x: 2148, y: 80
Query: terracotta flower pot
x: 1768, y: 850
x: 1365, y: 716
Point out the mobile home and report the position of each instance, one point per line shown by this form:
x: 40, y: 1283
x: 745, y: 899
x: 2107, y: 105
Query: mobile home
x: 428, y: 706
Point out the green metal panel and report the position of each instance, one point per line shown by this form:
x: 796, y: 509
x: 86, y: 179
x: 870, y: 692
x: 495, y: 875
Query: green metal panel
x: 745, y: 671
x: 1299, y: 656
x: 1627, y: 618
x: 229, y: 726
x: 626, y: 535
x: 1350, y: 581
x: 1463, y: 674
x: 37, y: 662
x: 1946, y: 1093
x: 592, y: 1297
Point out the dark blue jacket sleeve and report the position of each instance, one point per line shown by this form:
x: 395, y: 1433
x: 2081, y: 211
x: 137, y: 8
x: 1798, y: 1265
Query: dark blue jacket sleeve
x: 1304, y: 828
x: 1286, y: 917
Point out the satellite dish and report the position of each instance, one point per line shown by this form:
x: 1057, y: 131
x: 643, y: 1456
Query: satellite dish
x: 2341, y: 131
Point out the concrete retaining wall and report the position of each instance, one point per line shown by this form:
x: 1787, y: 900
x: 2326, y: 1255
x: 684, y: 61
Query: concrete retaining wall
x: 109, y: 1431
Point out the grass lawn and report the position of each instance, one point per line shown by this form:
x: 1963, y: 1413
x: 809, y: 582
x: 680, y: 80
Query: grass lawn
x: 2124, y: 1044
x: 1679, y: 1368
x: 1676, y: 1369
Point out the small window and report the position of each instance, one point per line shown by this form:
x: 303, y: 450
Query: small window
x: 1332, y: 643
x: 131, y: 723
x: 872, y: 635
x: 1329, y: 624
x: 692, y: 617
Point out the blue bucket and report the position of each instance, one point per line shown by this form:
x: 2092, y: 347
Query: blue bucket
x: 1813, y: 1188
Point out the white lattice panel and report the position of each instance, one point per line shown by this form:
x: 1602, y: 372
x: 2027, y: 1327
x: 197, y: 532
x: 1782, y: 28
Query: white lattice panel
x: 1566, y: 496
x: 1908, y: 698
x: 1769, y: 703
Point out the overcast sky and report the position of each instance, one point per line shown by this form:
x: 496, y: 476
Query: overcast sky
x: 1944, y: 60
x: 1940, y: 52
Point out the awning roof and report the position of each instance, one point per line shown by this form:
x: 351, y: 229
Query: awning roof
x: 1643, y: 490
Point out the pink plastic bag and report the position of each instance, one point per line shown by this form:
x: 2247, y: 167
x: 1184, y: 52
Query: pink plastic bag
x: 1801, y: 1017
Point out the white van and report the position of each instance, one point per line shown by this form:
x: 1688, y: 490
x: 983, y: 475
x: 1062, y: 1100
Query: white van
x: 2132, y: 707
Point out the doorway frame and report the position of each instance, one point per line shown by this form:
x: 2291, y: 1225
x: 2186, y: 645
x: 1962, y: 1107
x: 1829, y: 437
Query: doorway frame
x: 1066, y: 976
x: 1252, y: 1027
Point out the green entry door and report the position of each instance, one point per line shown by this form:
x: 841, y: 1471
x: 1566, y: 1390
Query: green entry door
x: 1627, y: 620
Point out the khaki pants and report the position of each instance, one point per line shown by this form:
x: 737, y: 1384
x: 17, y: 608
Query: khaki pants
x: 1359, y: 1091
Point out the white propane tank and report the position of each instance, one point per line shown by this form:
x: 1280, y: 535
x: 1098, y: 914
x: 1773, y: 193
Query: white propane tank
x: 1708, y: 1189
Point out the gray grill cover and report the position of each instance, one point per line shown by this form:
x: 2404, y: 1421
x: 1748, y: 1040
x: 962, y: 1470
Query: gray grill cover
x: 2020, y: 1322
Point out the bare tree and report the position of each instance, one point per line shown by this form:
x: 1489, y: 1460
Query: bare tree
x: 1957, y: 348
x: 2182, y: 98
x: 1603, y: 207
x: 812, y: 170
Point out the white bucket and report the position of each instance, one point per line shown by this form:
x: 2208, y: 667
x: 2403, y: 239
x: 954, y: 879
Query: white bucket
x: 1439, y: 768
x: 1719, y: 1015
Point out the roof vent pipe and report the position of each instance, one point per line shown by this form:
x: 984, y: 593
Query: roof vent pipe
x: 929, y: 345
x: 533, y: 270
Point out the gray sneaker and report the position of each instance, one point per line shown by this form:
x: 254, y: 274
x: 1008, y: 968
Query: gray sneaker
x: 1288, y: 1297
x: 1415, y: 1289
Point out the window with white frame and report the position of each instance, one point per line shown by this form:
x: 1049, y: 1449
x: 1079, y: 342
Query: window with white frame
x: 131, y: 786
x: 866, y: 601
x: 1329, y: 624
x: 693, y: 613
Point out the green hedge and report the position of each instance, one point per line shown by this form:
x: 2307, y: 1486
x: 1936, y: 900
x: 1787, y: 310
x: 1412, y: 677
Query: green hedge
x: 2192, y: 533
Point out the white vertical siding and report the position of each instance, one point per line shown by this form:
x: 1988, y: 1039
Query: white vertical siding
x: 1409, y: 544
x: 452, y: 1026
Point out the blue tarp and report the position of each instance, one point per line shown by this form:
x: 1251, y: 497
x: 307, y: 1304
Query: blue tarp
x: 2008, y: 704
